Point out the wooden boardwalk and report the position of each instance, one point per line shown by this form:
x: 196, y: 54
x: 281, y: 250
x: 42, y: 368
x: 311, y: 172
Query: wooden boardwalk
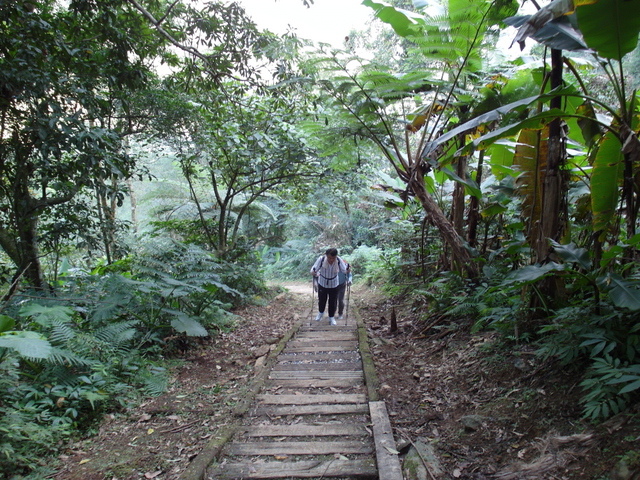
x: 313, y: 417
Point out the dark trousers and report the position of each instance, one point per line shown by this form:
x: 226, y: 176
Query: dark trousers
x: 342, y: 288
x: 332, y: 295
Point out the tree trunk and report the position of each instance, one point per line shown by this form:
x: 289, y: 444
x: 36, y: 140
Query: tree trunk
x: 461, y: 256
x: 134, y: 206
x: 29, y: 265
x: 474, y: 207
x: 26, y: 210
x: 457, y: 207
x: 553, y: 214
x: 554, y: 205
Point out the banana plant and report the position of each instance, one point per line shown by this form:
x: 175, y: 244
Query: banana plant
x: 606, y: 130
x: 429, y: 99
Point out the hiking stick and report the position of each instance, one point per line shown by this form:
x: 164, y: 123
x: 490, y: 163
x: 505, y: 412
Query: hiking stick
x: 346, y: 317
x: 313, y: 291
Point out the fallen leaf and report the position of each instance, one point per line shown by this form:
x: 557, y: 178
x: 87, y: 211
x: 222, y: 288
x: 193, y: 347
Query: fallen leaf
x: 84, y: 461
x: 152, y: 475
x: 392, y: 451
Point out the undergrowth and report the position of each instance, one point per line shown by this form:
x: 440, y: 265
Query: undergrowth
x: 102, y: 341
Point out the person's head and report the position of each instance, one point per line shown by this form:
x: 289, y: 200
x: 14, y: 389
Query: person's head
x: 331, y: 254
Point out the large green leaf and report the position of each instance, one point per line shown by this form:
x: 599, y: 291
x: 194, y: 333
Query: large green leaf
x: 559, y: 33
x: 30, y: 345
x: 6, y: 323
x: 610, y: 27
x: 403, y: 22
x: 572, y: 254
x: 608, y: 166
x: 532, y: 273
x: 187, y: 325
x: 471, y: 186
x: 492, y: 116
x: 623, y: 293
x: 535, y: 122
x: 45, y: 315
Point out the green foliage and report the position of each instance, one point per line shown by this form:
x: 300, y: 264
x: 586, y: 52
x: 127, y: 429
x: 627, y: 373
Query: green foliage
x: 371, y: 264
x: 24, y: 443
x: 291, y: 261
x: 102, y: 344
x: 604, y: 397
x: 608, y: 344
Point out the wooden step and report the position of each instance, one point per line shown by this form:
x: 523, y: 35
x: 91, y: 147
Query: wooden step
x: 319, y: 367
x: 317, y: 382
x: 343, y: 447
x: 291, y: 374
x: 268, y: 399
x: 303, y: 348
x: 282, y: 410
x: 305, y: 430
x: 304, y: 469
x: 308, y: 357
x: 312, y: 336
x: 329, y: 344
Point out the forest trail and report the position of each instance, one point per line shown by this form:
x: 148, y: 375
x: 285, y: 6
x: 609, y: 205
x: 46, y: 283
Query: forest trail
x: 488, y: 412
x: 278, y: 378
x: 315, y: 413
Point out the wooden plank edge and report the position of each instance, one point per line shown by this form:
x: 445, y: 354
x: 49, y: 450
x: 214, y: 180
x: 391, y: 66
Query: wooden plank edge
x: 198, y: 466
x: 386, y: 454
x: 370, y: 376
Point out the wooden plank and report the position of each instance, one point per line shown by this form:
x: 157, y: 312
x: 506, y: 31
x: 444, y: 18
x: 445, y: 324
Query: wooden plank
x: 313, y: 349
x: 302, y: 469
x: 319, y: 367
x: 388, y: 462
x: 305, y: 430
x: 316, y: 382
x: 311, y: 399
x: 325, y: 324
x: 276, y: 374
x: 352, y: 344
x: 299, y: 448
x: 278, y: 410
x: 328, y: 336
x: 308, y: 357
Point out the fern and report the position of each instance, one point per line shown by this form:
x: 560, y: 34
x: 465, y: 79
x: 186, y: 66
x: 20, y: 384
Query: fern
x: 117, y: 334
x: 61, y: 332
x: 154, y: 381
x: 60, y: 356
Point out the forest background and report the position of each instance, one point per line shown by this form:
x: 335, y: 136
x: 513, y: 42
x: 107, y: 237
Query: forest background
x: 160, y: 161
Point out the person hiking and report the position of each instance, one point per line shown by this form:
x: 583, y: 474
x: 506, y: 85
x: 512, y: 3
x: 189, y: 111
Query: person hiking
x: 344, y: 280
x: 325, y: 274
